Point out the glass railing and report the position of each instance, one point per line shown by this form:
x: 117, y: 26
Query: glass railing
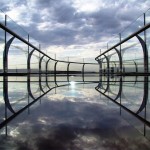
x: 130, y: 47
x: 28, y: 74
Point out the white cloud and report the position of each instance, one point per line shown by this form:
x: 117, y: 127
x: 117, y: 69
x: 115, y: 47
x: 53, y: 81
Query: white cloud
x: 87, y: 6
x: 74, y: 28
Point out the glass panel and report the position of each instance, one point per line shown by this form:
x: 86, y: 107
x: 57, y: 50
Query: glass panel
x: 113, y: 41
x: 75, y: 72
x: 34, y: 42
x: 148, y: 45
x: 16, y: 28
x: 17, y: 94
x: 2, y: 17
x: 147, y: 16
x: 133, y: 27
x: 2, y: 103
x: 132, y: 53
x: 91, y: 72
x: 2, y: 46
x: 17, y: 50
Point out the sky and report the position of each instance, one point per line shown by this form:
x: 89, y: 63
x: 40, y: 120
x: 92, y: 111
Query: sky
x: 73, y: 28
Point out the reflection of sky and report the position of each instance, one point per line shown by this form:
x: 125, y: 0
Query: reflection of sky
x: 86, y: 120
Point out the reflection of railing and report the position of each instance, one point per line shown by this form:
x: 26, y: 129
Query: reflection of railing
x: 104, y: 88
x: 7, y: 120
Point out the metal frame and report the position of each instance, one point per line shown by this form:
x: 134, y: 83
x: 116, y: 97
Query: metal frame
x: 122, y: 73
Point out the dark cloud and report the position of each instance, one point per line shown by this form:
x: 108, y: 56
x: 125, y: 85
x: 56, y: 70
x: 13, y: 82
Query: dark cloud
x: 70, y: 26
x: 60, y: 36
x: 64, y: 13
x: 89, y: 27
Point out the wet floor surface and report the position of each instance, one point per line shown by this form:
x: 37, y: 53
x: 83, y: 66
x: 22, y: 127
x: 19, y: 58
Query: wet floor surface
x: 73, y: 119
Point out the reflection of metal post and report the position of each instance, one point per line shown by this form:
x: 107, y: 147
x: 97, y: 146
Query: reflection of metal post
x: 146, y: 84
x: 28, y: 75
x: 68, y: 70
x: 136, y: 68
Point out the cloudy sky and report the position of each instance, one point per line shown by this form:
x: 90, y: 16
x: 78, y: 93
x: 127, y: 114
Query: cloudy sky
x: 73, y: 28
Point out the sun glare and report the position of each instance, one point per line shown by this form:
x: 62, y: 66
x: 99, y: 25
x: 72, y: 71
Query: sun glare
x: 72, y: 83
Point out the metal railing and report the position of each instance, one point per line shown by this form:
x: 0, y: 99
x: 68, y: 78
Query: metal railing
x: 21, y: 56
x: 129, y: 54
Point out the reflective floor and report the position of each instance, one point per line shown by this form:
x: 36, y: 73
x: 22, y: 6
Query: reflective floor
x: 77, y: 116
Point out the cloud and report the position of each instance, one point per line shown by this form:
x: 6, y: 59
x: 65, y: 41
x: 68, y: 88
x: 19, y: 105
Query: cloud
x: 66, y: 125
x: 65, y: 23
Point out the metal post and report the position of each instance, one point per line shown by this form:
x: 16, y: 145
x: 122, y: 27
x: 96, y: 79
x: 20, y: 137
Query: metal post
x: 5, y: 78
x: 120, y: 71
x: 28, y: 76
x: 55, y: 74
x: 40, y: 71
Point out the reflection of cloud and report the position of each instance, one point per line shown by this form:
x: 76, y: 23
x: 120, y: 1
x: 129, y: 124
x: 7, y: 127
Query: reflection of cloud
x: 14, y: 132
x: 89, y: 122
x: 56, y: 97
x: 61, y: 125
